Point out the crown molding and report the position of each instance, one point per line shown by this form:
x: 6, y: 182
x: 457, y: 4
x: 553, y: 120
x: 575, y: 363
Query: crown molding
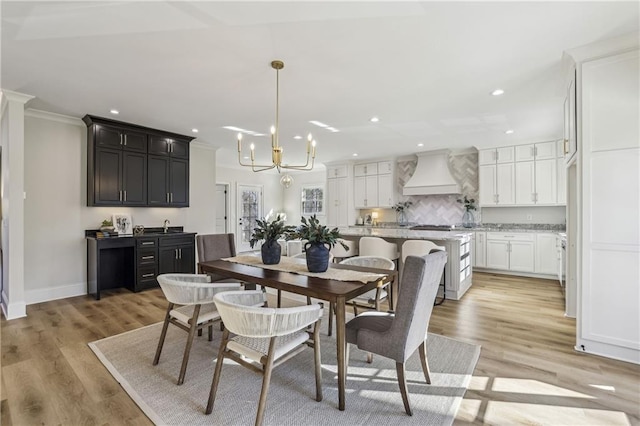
x: 52, y: 116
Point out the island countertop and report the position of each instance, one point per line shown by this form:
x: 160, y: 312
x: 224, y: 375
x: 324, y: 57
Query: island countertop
x: 405, y: 233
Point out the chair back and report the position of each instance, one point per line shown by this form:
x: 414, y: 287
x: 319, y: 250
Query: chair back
x: 215, y: 246
x: 340, y: 252
x: 376, y: 246
x: 418, y: 289
x: 419, y: 248
x: 241, y: 314
x: 370, y: 262
x: 191, y: 289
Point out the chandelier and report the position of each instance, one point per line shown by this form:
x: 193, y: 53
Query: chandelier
x: 276, y: 149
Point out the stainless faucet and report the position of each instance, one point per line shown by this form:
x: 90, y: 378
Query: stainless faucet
x: 166, y: 225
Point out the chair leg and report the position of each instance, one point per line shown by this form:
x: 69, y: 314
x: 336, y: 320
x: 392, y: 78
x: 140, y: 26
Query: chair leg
x: 199, y: 332
x: 403, y: 387
x: 216, y: 375
x: 210, y: 329
x: 318, y: 362
x: 369, y: 357
x: 187, y: 349
x: 163, y: 334
x: 265, y: 381
x: 423, y: 358
x: 279, y: 298
x: 331, y: 310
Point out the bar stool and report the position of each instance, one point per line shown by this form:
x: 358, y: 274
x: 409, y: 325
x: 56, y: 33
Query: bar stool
x: 422, y: 248
x: 376, y: 246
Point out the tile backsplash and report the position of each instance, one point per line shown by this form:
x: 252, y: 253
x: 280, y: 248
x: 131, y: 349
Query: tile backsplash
x: 441, y: 209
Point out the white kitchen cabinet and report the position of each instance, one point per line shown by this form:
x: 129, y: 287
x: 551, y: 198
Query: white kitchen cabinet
x: 480, y: 250
x: 373, y: 185
x: 497, y: 184
x: 496, y: 155
x: 337, y: 171
x: 538, y: 151
x: 525, y: 183
x: 546, y: 254
x: 546, y: 181
x: 337, y: 202
x: 511, y: 251
x: 385, y: 191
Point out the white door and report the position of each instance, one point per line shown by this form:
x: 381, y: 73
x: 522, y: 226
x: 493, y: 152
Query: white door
x: 222, y: 208
x: 546, y: 254
x: 371, y: 191
x: 360, y: 192
x: 487, y: 181
x: 249, y: 210
x: 481, y: 249
x: 505, y: 187
x: 332, y: 202
x: 385, y: 190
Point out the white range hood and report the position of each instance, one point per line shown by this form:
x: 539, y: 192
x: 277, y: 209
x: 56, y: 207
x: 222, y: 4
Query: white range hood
x: 432, y: 175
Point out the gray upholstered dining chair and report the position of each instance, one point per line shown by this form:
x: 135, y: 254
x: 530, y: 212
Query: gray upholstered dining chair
x: 264, y: 338
x: 398, y: 335
x: 191, y: 308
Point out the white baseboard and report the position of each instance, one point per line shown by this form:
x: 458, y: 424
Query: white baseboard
x: 13, y: 310
x: 54, y: 293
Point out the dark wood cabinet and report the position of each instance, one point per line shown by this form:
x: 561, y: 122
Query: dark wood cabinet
x: 136, y: 262
x: 135, y: 166
x: 168, y: 183
x: 177, y: 254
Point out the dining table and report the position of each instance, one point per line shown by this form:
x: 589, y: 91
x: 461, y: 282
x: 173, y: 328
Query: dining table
x: 324, y: 286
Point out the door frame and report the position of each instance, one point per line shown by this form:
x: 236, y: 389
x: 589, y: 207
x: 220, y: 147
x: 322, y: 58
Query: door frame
x: 227, y: 206
x: 240, y: 246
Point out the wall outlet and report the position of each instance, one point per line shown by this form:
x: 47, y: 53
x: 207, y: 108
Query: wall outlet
x: 529, y: 217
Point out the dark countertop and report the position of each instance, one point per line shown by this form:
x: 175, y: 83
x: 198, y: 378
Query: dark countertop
x: 148, y: 232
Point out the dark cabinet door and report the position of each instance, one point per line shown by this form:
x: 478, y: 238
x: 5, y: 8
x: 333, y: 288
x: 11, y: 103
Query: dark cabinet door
x: 167, y: 257
x: 159, y: 145
x: 186, y: 259
x: 108, y: 175
x: 134, y: 174
x: 158, y: 181
x: 114, y: 137
x: 179, y: 183
x: 180, y: 149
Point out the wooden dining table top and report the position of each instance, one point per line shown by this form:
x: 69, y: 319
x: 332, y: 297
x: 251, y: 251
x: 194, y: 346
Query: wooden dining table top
x: 312, y: 286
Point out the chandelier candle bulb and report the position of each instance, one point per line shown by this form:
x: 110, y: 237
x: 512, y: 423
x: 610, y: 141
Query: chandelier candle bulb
x: 239, y: 143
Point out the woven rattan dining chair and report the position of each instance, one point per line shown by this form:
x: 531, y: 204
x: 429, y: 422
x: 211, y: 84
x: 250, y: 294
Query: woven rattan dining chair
x: 398, y: 335
x: 191, y: 308
x: 263, y: 338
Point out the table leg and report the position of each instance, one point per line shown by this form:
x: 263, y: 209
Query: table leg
x: 341, y: 347
x: 394, y: 293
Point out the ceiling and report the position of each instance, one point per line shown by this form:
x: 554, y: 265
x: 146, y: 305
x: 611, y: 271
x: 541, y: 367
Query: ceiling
x: 426, y: 69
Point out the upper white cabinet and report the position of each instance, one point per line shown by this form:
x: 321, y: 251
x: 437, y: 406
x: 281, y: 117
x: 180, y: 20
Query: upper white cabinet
x: 337, y: 171
x: 373, y: 185
x: 496, y: 155
x: 523, y: 175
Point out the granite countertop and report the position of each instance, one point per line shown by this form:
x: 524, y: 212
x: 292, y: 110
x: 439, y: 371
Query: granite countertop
x: 404, y: 232
x: 492, y: 227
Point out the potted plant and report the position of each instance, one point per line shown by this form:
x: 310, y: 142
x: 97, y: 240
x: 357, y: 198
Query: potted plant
x: 400, y: 211
x: 107, y: 225
x: 270, y: 232
x: 320, y: 240
x: 469, y: 205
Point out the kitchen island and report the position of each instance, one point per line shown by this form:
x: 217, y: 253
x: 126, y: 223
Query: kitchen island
x: 457, y: 243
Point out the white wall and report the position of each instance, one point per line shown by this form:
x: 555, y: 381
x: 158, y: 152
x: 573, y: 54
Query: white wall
x: 56, y: 214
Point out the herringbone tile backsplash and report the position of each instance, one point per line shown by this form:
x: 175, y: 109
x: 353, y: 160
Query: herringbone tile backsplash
x: 441, y: 209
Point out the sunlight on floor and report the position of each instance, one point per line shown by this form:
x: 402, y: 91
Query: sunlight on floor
x: 533, y: 387
x: 604, y: 387
x: 540, y: 414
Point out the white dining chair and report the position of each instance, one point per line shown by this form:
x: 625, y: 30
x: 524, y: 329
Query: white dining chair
x: 191, y: 308
x: 261, y: 338
x: 422, y: 248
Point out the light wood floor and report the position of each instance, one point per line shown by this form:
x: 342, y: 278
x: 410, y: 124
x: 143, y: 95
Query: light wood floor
x: 528, y: 372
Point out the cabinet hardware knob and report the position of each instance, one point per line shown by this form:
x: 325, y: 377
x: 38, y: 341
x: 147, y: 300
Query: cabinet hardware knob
x: 120, y: 138
x: 180, y: 251
x: 147, y: 257
x: 146, y: 243
x: 171, y: 197
x: 125, y: 192
x: 125, y: 140
x: 147, y: 275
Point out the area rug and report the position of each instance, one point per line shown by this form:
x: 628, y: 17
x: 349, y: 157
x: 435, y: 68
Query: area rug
x: 372, y: 393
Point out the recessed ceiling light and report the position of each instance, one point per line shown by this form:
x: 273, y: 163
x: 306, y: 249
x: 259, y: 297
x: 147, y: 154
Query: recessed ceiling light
x: 420, y: 144
x: 297, y: 137
x: 194, y: 130
x: 508, y: 132
x: 355, y: 154
x: 374, y: 119
x: 497, y: 92
x: 114, y: 111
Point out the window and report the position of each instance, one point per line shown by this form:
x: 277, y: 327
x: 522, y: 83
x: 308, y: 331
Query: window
x: 312, y: 200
